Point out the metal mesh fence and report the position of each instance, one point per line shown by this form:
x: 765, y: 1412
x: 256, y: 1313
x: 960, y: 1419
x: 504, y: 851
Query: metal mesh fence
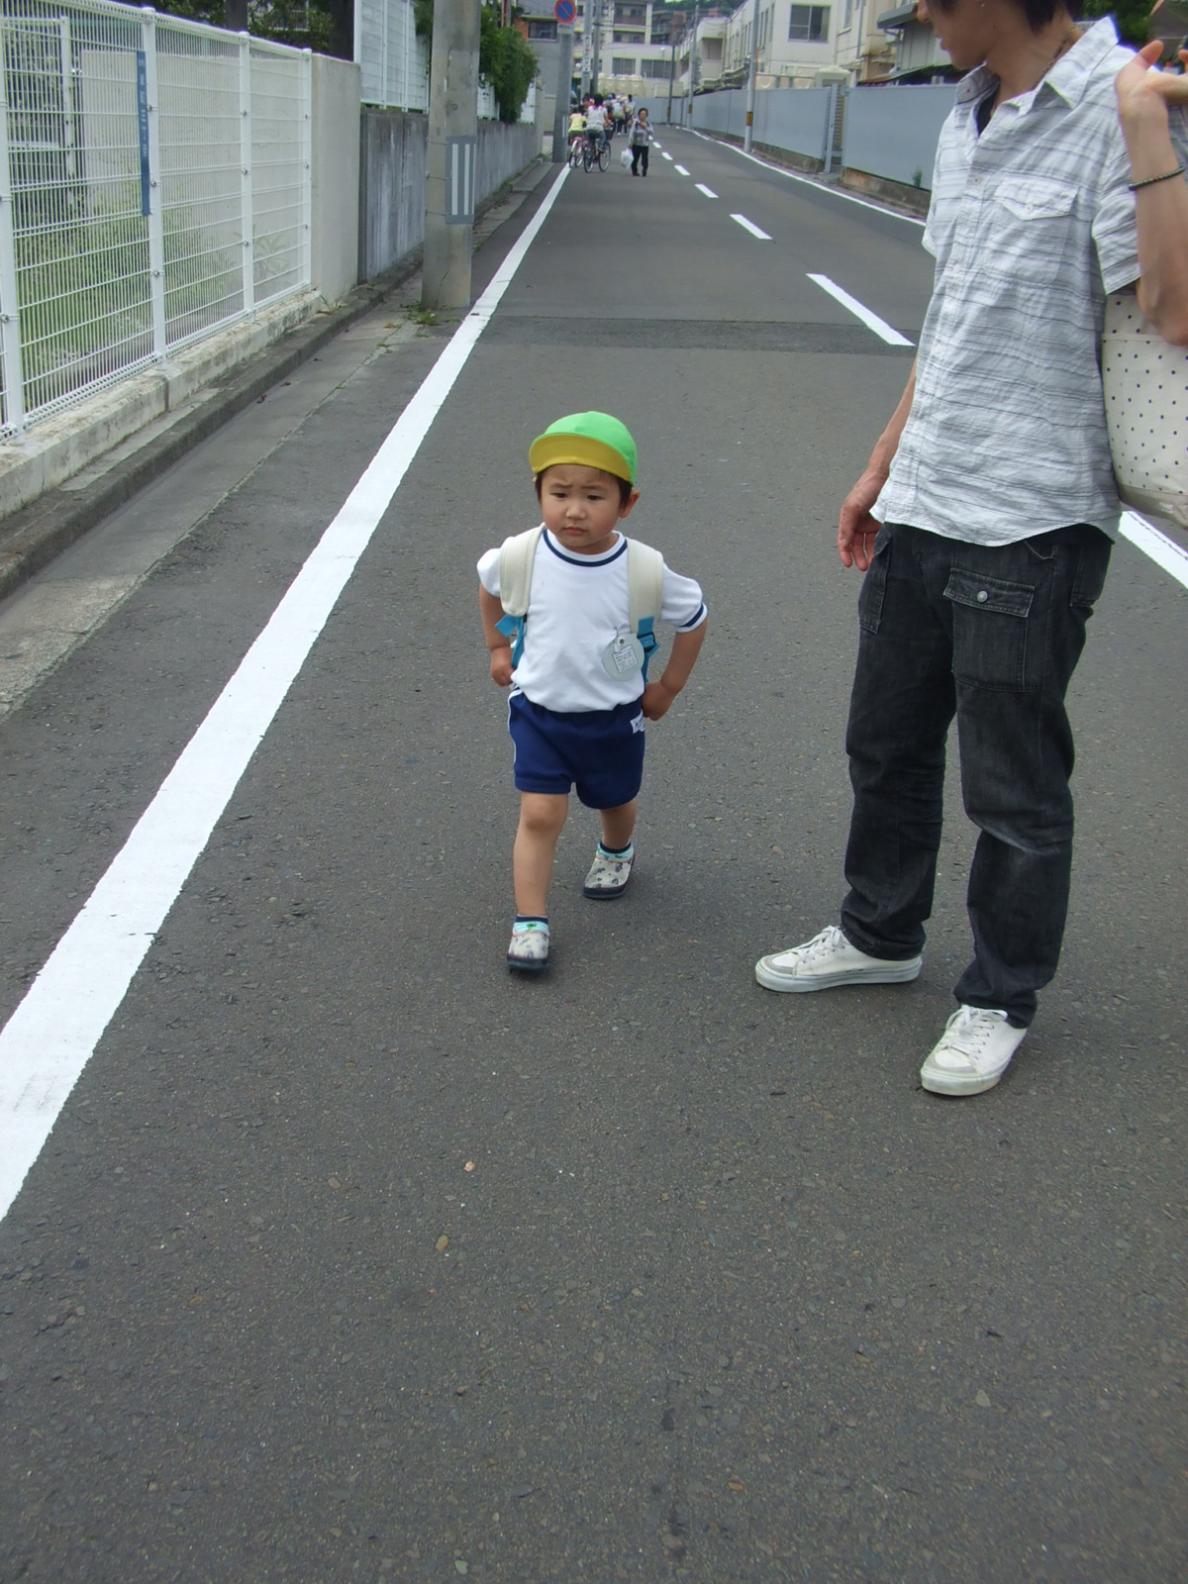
x: 154, y: 186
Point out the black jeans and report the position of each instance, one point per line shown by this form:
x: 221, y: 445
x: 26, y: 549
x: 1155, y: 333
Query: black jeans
x: 639, y: 156
x: 991, y: 635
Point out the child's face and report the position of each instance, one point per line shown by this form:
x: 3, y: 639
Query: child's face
x: 582, y: 506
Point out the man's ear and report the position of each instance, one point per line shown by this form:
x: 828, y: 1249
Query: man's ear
x: 628, y: 505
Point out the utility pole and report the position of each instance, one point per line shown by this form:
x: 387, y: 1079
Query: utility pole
x: 564, y: 82
x: 693, y: 58
x: 597, y: 46
x: 453, y: 145
x: 749, y: 132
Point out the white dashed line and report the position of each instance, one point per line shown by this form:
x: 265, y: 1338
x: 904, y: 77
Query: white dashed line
x: 750, y: 226
x: 668, y: 156
x: 871, y: 320
x: 702, y: 188
x: 680, y: 170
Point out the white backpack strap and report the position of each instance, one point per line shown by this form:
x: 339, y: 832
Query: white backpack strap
x: 645, y: 582
x: 517, y: 556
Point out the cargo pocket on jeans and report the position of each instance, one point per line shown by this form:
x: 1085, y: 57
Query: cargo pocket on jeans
x: 874, y: 585
x: 989, y: 630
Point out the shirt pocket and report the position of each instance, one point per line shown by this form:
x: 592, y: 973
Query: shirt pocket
x: 990, y: 622
x: 1030, y: 225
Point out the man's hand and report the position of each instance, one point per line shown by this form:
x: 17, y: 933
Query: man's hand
x: 856, y: 528
x: 501, y: 666
x: 657, y: 700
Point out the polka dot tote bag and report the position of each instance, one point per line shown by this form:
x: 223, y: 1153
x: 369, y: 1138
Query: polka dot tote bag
x: 1146, y: 400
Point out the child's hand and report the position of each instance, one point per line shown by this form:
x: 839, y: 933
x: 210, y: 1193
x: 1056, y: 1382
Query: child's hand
x: 657, y: 700
x: 501, y: 667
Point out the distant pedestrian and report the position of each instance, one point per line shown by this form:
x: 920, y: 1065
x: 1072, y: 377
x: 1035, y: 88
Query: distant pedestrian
x: 641, y: 139
x: 578, y: 670
x: 1059, y: 177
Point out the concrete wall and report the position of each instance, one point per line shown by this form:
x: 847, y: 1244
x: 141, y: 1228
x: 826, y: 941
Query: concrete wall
x: 335, y: 197
x: 393, y: 155
x: 892, y: 132
x: 394, y: 147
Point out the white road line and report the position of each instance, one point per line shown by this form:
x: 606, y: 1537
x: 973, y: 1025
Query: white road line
x: 869, y: 319
x: 668, y: 156
x: 50, y: 1037
x: 680, y: 170
x: 1165, y: 552
x: 702, y: 188
x: 809, y: 181
x: 748, y: 225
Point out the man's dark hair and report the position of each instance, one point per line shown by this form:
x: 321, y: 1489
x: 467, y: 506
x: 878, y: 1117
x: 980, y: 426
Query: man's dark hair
x: 624, y: 487
x: 1038, y: 12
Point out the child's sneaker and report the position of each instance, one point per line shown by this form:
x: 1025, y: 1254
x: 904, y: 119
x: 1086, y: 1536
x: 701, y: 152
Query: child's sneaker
x: 528, y: 950
x: 609, y: 873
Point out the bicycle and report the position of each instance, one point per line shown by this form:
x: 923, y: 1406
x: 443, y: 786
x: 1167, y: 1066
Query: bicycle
x: 577, y: 147
x: 596, y: 154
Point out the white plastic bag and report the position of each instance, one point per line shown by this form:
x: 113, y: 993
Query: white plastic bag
x: 625, y: 159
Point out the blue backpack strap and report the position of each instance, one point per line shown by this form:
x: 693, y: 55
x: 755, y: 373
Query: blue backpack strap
x: 648, y: 642
x: 645, y: 577
x: 513, y: 627
x: 516, y: 557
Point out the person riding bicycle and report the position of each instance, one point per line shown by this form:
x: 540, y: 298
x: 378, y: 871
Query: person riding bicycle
x: 577, y: 125
x: 596, y: 124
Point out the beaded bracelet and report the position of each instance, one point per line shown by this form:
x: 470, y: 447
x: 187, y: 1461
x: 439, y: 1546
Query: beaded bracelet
x: 1151, y: 180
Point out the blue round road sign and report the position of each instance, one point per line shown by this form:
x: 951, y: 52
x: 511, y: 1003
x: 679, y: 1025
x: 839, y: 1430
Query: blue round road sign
x: 565, y: 10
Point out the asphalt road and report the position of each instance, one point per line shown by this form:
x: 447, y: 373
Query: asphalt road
x: 350, y: 1256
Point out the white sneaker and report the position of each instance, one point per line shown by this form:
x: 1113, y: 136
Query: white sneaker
x: 528, y: 950
x: 608, y: 877
x: 829, y: 960
x: 972, y: 1054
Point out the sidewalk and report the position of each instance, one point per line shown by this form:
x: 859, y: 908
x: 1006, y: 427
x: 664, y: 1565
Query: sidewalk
x: 31, y: 537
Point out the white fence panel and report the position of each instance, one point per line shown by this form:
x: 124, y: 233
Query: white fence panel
x: 154, y: 186
x: 393, y: 61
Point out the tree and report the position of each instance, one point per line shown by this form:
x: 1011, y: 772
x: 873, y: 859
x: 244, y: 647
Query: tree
x: 1130, y: 15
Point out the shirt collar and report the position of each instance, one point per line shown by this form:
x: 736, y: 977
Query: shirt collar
x: 1069, y: 77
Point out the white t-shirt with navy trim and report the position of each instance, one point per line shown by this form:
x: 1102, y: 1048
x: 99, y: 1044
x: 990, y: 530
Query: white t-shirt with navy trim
x: 579, y: 604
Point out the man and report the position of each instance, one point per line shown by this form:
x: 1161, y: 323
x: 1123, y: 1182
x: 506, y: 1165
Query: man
x: 982, y: 518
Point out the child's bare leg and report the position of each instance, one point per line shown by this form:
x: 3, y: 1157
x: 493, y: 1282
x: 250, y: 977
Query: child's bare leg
x: 542, y: 818
x: 618, y: 825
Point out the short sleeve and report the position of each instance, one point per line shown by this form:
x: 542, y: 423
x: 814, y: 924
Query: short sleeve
x: 488, y: 571
x: 1115, y: 235
x: 681, y: 604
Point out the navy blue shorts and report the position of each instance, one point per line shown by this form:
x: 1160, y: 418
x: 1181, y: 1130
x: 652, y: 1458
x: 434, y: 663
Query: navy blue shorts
x: 601, y: 752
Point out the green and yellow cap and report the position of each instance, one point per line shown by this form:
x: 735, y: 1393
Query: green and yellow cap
x: 589, y: 439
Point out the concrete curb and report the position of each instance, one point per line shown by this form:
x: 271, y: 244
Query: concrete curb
x: 31, y: 537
